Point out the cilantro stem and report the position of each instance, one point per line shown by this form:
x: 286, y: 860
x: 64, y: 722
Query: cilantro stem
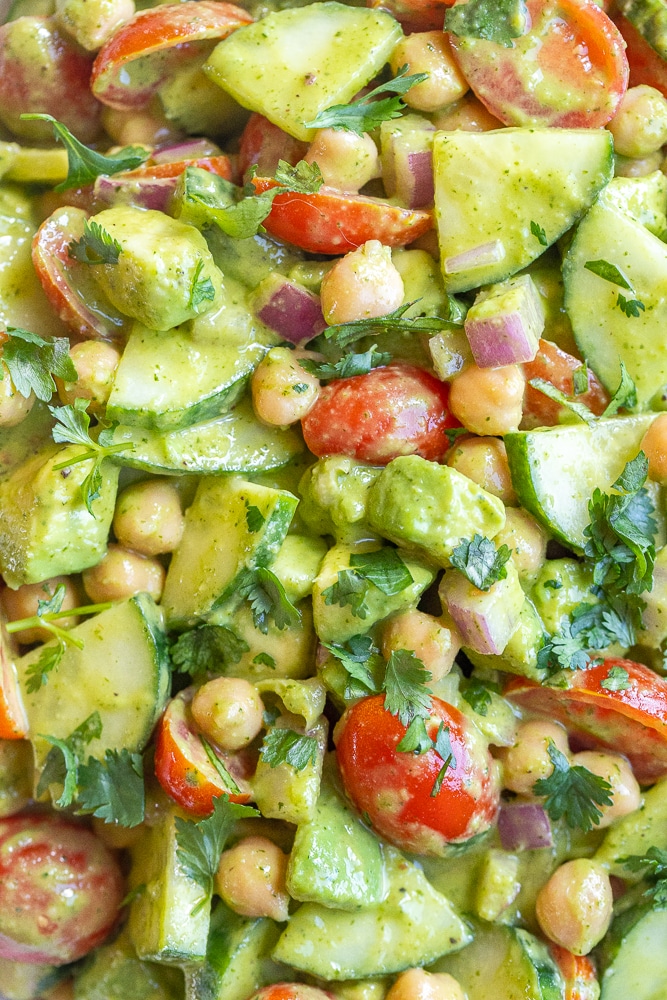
x: 104, y: 452
x: 38, y: 621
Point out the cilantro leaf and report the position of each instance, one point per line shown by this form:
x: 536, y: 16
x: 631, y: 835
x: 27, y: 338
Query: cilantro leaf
x: 495, y: 20
x: 631, y: 307
x: 344, y: 334
x: 653, y: 866
x: 580, y: 380
x: 350, y: 588
x: 349, y: 365
x: 113, y: 789
x: 384, y: 568
x: 416, y: 739
x: 32, y: 361
x: 62, y: 761
x: 478, y: 694
x: 558, y: 396
x: 608, y: 272
x: 573, y: 792
x: 443, y: 747
x: 265, y: 659
x: 406, y: 693
x: 563, y: 651
x: 84, y: 164
x: 625, y: 396
x: 254, y: 517
x: 206, y: 648
x: 480, y: 561
x: 617, y: 679
x: 201, y: 289
x: 285, y: 746
x: 227, y: 780
x: 96, y: 246
x: 49, y: 658
x: 356, y: 655
x: 302, y: 178
x: 539, y: 234
x: 53, y: 603
x: 366, y: 113
x: 268, y: 600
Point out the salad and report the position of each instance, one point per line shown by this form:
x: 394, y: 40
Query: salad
x: 333, y: 448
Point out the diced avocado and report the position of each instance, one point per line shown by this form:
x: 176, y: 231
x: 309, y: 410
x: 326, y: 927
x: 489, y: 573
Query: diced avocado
x: 164, y: 274
x: 282, y: 792
x: 362, y: 989
x: 25, y: 438
x: 430, y: 507
x: 413, y: 926
x: 45, y: 527
x: 520, y: 654
x: 636, y: 832
x: 113, y: 972
x: 544, y: 176
x: 495, y: 718
x: 286, y: 652
x: 337, y: 623
x: 335, y: 860
x: 633, y: 956
x: 334, y: 495
x: 422, y: 282
x: 15, y: 776
x: 562, y: 584
x: 498, y: 884
x: 293, y: 64
x: 297, y: 564
x: 231, y: 526
x: 644, y: 199
x: 33, y: 165
x: 196, y: 105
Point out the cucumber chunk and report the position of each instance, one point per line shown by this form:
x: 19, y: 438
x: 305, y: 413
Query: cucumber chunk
x: 635, y: 833
x: 113, y: 972
x: 650, y: 19
x: 635, y: 956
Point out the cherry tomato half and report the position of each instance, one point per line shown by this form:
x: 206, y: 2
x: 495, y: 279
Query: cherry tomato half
x: 415, y: 15
x: 398, y: 410
x: 578, y: 974
x: 262, y: 144
x: 13, y: 720
x: 291, y: 991
x: 557, y: 367
x: 569, y: 70
x: 395, y: 790
x: 646, y: 65
x: 632, y: 722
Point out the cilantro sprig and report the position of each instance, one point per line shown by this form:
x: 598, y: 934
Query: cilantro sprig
x: 405, y: 686
x: 604, y: 269
x: 480, y: 561
x: 95, y: 246
x: 367, y: 113
x: 286, y: 746
x: 201, y: 289
x: 360, y: 658
x: 347, y: 366
x: 268, y: 601
x: 33, y: 361
x: 572, y: 792
x: 624, y: 397
x: 384, y: 568
x: 653, y: 868
x: 206, y: 648
x: 343, y: 334
x: 497, y: 21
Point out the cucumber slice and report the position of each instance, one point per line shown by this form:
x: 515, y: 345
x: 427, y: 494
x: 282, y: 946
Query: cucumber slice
x: 294, y: 63
x: 234, y: 442
x: 604, y: 334
x: 635, y: 833
x: 649, y: 17
x: 122, y: 672
x: 577, y: 458
x: 505, y: 962
x: 635, y: 956
x: 545, y: 176
x: 114, y: 971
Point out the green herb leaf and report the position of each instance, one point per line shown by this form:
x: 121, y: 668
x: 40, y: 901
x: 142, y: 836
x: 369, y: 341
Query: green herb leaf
x: 113, y: 789
x: 478, y: 694
x: 207, y: 648
x: 346, y: 333
x: 573, y: 792
x: 609, y: 272
x: 631, y: 307
x: 547, y: 389
x: 480, y: 561
x: 617, y: 679
x: 406, y: 693
x: 302, y: 178
x: 96, y: 246
x: 495, y: 20
x: 32, y: 362
x: 367, y: 113
x: 539, y: 234
x: 268, y: 600
x: 254, y: 517
x: 53, y: 603
x: 265, y: 659
x: 349, y: 365
x: 384, y: 568
x: 350, y: 589
x: 563, y: 651
x: 580, y: 380
x: 356, y: 656
x: 201, y: 289
x: 443, y: 747
x: 84, y: 164
x: 653, y: 866
x: 49, y: 658
x: 285, y: 746
x: 229, y: 784
x: 416, y: 739
x: 62, y: 761
x: 625, y: 396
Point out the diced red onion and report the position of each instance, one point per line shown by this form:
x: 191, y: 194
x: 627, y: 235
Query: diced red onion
x: 485, y: 619
x: 414, y: 177
x: 399, y: 142
x: 505, y: 323
x: 189, y: 149
x: 480, y: 256
x: 288, y: 308
x: 524, y: 826
x: 145, y: 192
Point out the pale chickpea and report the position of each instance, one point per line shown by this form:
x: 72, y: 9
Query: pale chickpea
x: 22, y: 603
x: 148, y: 517
x: 639, y: 127
x: 282, y: 391
x: 654, y: 446
x: 96, y: 362
x: 625, y: 792
x: 625, y: 166
x: 416, y: 984
x: 346, y: 160
x: 123, y: 573
x: 484, y: 460
x: 574, y: 907
x: 251, y: 879
x: 362, y: 284
x: 528, y: 541
x: 229, y: 711
x: 429, y: 52
x: 13, y: 406
x: 94, y: 23
x: 488, y: 400
x: 468, y: 115
x: 528, y: 759
x: 146, y: 127
x: 435, y: 645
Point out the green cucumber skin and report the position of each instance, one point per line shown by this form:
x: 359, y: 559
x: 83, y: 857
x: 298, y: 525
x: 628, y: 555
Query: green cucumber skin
x: 649, y: 17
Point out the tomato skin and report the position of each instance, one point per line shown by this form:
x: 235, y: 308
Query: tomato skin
x: 646, y: 65
x: 557, y: 366
x: 262, y: 144
x: 13, y: 720
x: 415, y: 15
x: 578, y: 973
x: 631, y: 722
x: 332, y: 222
x: 40, y: 857
x: 220, y: 165
x: 291, y: 991
x: 181, y: 764
x: 393, y: 789
x: 573, y: 49
x: 392, y: 411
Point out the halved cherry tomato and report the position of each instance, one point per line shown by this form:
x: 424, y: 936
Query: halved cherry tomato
x: 578, y: 973
x: 60, y: 890
x: 415, y: 15
x: 397, y: 791
x: 568, y: 71
x: 68, y: 284
x: 220, y: 165
x: 398, y: 410
x: 13, y: 720
x: 632, y: 722
x: 556, y: 366
x: 175, y: 31
x: 331, y: 222
x: 646, y: 65
x: 292, y: 991
x: 183, y: 768
x: 262, y: 144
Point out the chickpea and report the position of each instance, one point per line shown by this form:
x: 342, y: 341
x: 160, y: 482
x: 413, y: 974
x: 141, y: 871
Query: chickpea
x: 123, y: 573
x: 430, y: 52
x: 148, y: 517
x: 574, y: 907
x: 96, y: 362
x: 416, y: 984
x: 347, y: 160
x: 639, y: 127
x: 527, y: 539
x: 468, y: 115
x: 282, y: 391
x: 488, y: 400
x: 93, y: 24
x: 22, y: 603
x: 362, y: 284
x: 148, y: 127
x: 13, y: 406
x: 625, y: 166
x: 654, y: 445
x: 528, y: 759
x: 251, y: 879
x: 229, y: 711
x: 625, y: 792
x: 433, y: 644
x: 484, y: 460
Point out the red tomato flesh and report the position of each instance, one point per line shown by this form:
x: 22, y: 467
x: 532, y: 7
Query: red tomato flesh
x: 578, y: 974
x: 263, y: 144
x: 291, y: 991
x: 631, y: 722
x: 646, y: 65
x: 415, y: 15
x: 13, y: 720
x: 393, y: 789
x: 557, y: 367
x: 398, y: 410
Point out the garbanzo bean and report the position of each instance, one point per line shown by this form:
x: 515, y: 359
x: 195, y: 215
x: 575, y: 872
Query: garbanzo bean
x: 148, y: 517
x: 229, y: 711
x: 639, y: 127
x: 416, y: 984
x: 95, y: 362
x: 484, y: 460
x: 429, y: 52
x: 435, y: 645
x: 625, y: 791
x: 123, y: 573
x: 22, y: 603
x: 527, y: 540
x: 346, y: 160
x: 362, y: 284
x: 654, y: 446
x: 528, y: 760
x: 488, y: 400
x: 574, y: 907
x: 13, y: 406
x: 251, y: 879
x: 282, y: 391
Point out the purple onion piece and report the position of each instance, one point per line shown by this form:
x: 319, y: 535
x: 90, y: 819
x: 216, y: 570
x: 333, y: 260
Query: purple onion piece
x: 288, y: 308
x: 145, y: 192
x: 414, y: 177
x: 485, y: 619
x: 524, y: 826
x: 480, y: 256
x: 189, y: 149
x: 505, y: 323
